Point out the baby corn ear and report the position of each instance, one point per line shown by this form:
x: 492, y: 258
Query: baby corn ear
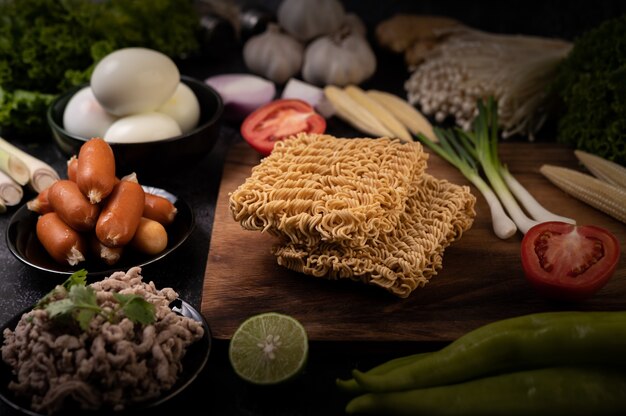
x: 380, y: 112
x: 355, y: 114
x: 603, y: 169
x: 405, y: 113
x: 607, y: 198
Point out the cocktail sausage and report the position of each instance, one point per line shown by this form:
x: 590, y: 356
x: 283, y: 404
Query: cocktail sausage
x: 159, y: 209
x: 120, y: 214
x: 72, y: 206
x: 95, y: 172
x: 63, y: 243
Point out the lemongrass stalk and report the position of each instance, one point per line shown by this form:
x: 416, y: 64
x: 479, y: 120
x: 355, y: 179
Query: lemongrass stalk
x: 40, y: 174
x: 486, y: 138
x: 531, y: 205
x: 503, y: 226
x: 11, y: 192
x: 14, y: 167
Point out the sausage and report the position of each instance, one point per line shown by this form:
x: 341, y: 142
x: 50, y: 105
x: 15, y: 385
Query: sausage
x: 109, y: 255
x: 95, y: 172
x: 120, y: 214
x: 150, y: 237
x: 72, y: 165
x: 63, y: 243
x: 72, y: 206
x: 159, y: 209
x: 40, y: 204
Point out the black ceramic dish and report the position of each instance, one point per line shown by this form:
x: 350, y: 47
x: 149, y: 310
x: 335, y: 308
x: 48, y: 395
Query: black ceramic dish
x: 193, y: 363
x: 22, y: 241
x: 155, y: 158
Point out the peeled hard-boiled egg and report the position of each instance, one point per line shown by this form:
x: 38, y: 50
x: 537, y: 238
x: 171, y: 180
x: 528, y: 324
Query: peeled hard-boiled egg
x: 183, y: 107
x: 85, y: 117
x: 134, y: 80
x: 144, y: 127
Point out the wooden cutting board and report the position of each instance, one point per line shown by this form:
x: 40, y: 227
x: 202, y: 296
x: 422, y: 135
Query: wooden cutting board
x: 481, y: 280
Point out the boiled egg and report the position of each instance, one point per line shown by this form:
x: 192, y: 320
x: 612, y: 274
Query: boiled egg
x: 183, y: 107
x: 143, y: 127
x: 134, y: 80
x: 84, y: 116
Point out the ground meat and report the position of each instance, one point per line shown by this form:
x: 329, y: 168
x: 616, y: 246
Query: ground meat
x: 113, y: 364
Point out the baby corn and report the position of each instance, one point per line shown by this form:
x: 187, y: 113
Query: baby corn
x: 352, y: 112
x: 607, y: 198
x: 380, y: 112
x: 604, y: 169
x: 405, y: 113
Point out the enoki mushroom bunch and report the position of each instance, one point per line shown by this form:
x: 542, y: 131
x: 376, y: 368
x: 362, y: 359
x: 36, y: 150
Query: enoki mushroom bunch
x: 469, y: 65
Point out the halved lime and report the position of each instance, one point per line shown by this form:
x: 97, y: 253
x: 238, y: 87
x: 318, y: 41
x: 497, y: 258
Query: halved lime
x: 269, y: 348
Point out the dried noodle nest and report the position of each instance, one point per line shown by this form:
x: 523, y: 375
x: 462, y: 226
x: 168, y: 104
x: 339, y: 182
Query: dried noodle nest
x: 361, y: 209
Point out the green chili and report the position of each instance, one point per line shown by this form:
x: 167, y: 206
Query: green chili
x: 351, y: 386
x: 552, y: 391
x: 530, y: 341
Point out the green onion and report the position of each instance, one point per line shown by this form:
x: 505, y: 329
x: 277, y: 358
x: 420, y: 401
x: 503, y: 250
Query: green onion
x: 468, y: 151
x: 485, y: 138
x: 459, y: 157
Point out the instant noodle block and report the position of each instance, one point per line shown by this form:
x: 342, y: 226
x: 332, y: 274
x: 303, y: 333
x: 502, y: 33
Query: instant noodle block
x: 360, y: 209
x: 315, y: 188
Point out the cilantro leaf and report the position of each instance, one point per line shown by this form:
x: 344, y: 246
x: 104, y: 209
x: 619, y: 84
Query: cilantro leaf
x: 136, y: 308
x: 59, y: 307
x: 84, y: 317
x: 83, y: 297
x: 78, y: 278
x: 81, y: 304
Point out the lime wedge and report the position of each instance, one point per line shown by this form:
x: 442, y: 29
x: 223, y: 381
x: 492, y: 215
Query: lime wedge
x: 268, y: 348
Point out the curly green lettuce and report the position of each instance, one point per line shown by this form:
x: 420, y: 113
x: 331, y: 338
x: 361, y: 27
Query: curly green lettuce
x: 48, y: 46
x: 592, y: 85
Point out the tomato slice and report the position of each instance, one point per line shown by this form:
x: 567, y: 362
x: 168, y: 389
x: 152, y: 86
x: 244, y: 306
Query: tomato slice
x: 279, y: 119
x: 569, y: 262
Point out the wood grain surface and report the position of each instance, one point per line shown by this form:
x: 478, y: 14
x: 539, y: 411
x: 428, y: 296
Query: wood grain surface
x: 481, y: 280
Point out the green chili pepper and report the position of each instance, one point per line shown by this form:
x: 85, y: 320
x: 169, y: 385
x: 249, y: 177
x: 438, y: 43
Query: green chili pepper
x: 351, y: 386
x: 549, y: 391
x: 530, y: 341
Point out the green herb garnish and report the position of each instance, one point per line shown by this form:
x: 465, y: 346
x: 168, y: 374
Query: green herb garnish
x: 77, y: 278
x: 74, y: 299
x: 136, y: 308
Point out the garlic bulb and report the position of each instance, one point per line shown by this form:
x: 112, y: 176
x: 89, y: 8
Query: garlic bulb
x: 307, y: 19
x: 273, y: 54
x: 341, y: 59
x: 355, y: 24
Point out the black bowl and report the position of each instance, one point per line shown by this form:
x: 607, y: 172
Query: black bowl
x: 193, y: 363
x: 155, y: 158
x: 22, y: 241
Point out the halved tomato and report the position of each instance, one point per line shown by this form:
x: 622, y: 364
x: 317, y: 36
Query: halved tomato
x: 279, y: 119
x: 569, y: 262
